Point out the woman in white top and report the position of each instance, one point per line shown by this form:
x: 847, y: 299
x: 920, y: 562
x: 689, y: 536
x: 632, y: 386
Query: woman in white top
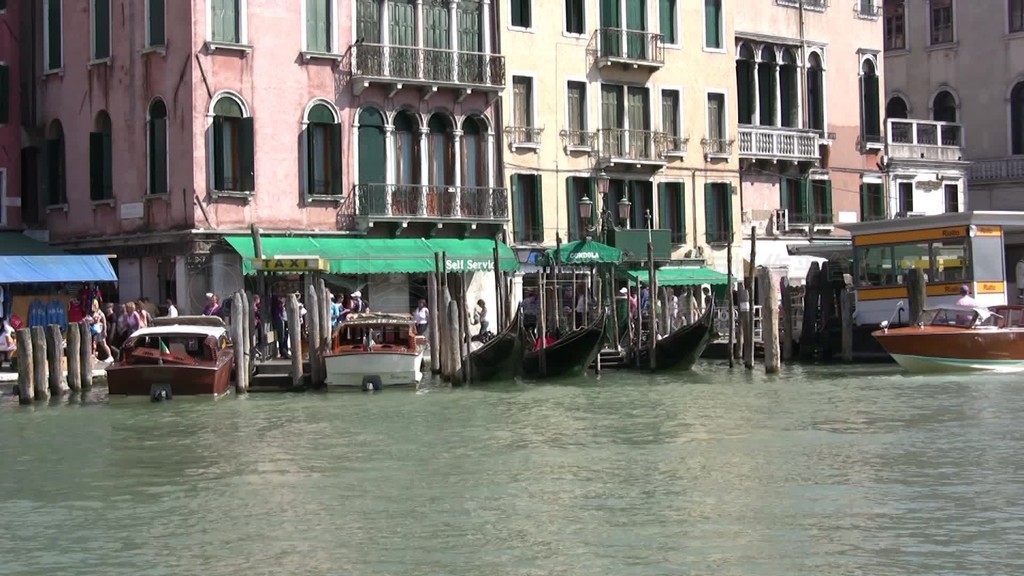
x: 420, y: 317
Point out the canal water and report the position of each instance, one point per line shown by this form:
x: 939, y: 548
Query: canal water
x: 819, y: 471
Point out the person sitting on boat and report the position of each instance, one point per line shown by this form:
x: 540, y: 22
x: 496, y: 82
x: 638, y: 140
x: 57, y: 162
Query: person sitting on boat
x: 480, y: 317
x: 358, y: 304
x: 545, y: 342
x: 965, y: 297
x: 531, y: 307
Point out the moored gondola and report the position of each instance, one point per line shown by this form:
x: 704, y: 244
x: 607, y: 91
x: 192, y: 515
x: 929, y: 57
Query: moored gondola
x: 680, y: 349
x: 569, y: 355
x: 501, y: 357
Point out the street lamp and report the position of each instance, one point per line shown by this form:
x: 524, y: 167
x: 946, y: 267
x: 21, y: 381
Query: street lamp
x: 624, y: 207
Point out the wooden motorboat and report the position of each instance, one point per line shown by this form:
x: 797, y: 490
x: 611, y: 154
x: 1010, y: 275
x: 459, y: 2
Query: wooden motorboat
x: 680, y: 349
x: 959, y: 339
x: 501, y: 357
x: 571, y: 354
x: 374, y: 349
x: 185, y: 356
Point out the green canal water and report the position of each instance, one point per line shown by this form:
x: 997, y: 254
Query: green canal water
x: 819, y: 471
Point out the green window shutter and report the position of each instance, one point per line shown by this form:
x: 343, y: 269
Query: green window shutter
x: 664, y: 206
x: 667, y: 11
x: 538, y: 208
x: 864, y: 206
x: 311, y: 159
x: 681, y: 212
x: 334, y: 135
x: 158, y: 156
x: 517, y: 209
x: 217, y: 19
x: 247, y: 155
x: 728, y: 190
x: 872, y: 128
x: 5, y: 94
x: 218, y: 153
x: 784, y: 193
x: 712, y: 23
x: 101, y: 29
x: 368, y: 21
x: 313, y: 25
x: 469, y: 28
x: 571, y: 205
x: 826, y: 209
x: 54, y: 35
x: 157, y: 30
x: 372, y: 167
x: 108, y: 165
x: 711, y: 211
x: 804, y: 200
x: 95, y: 165
x: 232, y: 21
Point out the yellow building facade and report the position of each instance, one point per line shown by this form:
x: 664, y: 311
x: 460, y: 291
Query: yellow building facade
x: 622, y: 101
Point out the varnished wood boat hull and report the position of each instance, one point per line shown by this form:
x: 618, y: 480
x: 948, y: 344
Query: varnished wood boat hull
x: 135, y: 380
x: 569, y: 356
x: 935, y: 349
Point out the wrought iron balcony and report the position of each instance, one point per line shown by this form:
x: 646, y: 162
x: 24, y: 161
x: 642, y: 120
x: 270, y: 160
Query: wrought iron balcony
x: 674, y: 145
x: 578, y: 140
x: 631, y: 147
x: 924, y: 140
x: 432, y: 67
x: 997, y: 170
x: 717, y: 237
x: 867, y: 9
x: 807, y: 218
x: 629, y: 48
x: 430, y: 203
x: 523, y: 136
x: 716, y: 147
x: 770, y: 143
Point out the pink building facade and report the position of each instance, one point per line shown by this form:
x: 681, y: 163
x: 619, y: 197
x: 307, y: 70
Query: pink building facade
x: 167, y: 126
x: 10, y: 116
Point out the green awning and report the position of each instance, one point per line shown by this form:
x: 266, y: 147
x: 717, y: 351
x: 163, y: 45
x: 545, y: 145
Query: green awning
x: 683, y: 276
x: 473, y: 254
x: 586, y: 252
x: 366, y: 256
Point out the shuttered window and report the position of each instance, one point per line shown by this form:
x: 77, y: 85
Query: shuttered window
x: 101, y: 160
x: 872, y: 201
x: 470, y: 39
x: 156, y: 34
x: 716, y: 120
x: 672, y: 210
x: 667, y: 14
x: 368, y: 21
x: 233, y: 148
x: 574, y: 16
x: 670, y: 118
x: 521, y: 14
x: 54, y: 56
x: 522, y: 101
x: 577, y: 101
x: 718, y: 212
x: 870, y: 113
x: 821, y: 201
x: 157, y: 148
x: 5, y: 94
x: 793, y: 192
x: 952, y: 197
x: 713, y: 24
x: 226, y: 19
x: 100, y: 29
x: 318, y: 26
x: 576, y: 189
x: 323, y: 152
x: 640, y: 194
x: 528, y: 216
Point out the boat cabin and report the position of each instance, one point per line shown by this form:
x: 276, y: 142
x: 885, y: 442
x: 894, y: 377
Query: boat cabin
x: 177, y: 344
x: 376, y: 331
x: 951, y: 250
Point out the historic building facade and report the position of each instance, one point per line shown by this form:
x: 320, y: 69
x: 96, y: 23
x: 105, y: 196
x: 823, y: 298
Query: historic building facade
x: 10, y: 115
x: 811, y: 135
x: 627, y: 104
x: 171, y: 126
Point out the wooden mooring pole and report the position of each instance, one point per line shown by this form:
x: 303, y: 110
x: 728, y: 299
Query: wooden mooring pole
x: 295, y: 339
x: 749, y: 344
x: 26, y: 374
x: 40, y: 368
x: 71, y: 347
x: 847, y: 303
x: 652, y: 316
x: 808, y: 335
x: 238, y: 339
x: 786, y: 331
x: 85, y: 354
x: 432, y: 309
x: 314, y: 314
x: 729, y: 291
x: 769, y: 320
x: 917, y: 294
x: 55, y: 355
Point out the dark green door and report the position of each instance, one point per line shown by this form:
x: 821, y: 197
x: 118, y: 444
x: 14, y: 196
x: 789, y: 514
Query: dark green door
x: 611, y: 22
x: 636, y: 24
x: 611, y: 120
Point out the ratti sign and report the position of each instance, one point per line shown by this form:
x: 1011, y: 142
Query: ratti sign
x: 468, y: 265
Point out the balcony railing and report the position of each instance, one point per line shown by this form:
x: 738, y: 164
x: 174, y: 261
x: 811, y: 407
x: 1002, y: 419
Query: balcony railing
x: 674, y: 145
x: 867, y: 9
x: 405, y: 202
x: 630, y: 47
x: 997, y: 170
x: 925, y: 140
x: 429, y: 66
x: 778, y: 143
x: 523, y: 136
x: 577, y: 139
x: 809, y: 4
x: 807, y: 218
x: 621, y: 145
x: 718, y: 236
x: 716, y: 147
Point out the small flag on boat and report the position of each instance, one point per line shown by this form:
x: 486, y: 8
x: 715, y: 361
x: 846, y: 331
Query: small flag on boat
x: 163, y: 347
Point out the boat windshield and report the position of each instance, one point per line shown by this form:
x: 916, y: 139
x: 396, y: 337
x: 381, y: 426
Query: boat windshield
x: 961, y: 317
x: 382, y: 335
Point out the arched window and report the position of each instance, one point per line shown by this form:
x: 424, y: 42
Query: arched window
x: 474, y: 152
x: 323, y: 152
x: 745, y: 83
x: 101, y: 159
x: 157, y: 148
x: 871, y: 124
x: 442, y: 160
x: 1017, y: 119
x: 372, y: 155
x: 54, y: 160
x: 896, y: 107
x: 944, y: 107
x: 234, y: 161
x: 767, y: 89
x: 815, y: 93
x: 407, y: 158
x: 789, y: 95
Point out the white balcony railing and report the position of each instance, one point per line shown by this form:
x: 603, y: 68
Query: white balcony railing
x: 997, y: 170
x: 770, y: 143
x: 924, y: 140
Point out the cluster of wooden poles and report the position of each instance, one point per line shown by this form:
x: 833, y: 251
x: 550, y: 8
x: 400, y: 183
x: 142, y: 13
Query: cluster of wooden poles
x: 41, y: 353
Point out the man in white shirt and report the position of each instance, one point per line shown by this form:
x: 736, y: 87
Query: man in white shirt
x: 172, y: 312
x: 965, y: 297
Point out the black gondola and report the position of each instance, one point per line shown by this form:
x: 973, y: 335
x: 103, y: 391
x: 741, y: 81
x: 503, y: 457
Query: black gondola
x: 569, y: 355
x: 681, y: 349
x: 501, y: 357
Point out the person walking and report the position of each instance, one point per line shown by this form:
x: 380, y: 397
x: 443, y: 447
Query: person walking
x: 421, y: 316
x: 279, y: 317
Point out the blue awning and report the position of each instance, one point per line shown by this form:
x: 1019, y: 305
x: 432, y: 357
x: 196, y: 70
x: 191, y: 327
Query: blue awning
x: 57, y: 268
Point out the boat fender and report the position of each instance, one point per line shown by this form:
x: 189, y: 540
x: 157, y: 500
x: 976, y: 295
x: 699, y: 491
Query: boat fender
x: 372, y: 384
x: 159, y: 393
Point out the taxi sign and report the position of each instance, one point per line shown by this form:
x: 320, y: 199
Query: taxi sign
x: 290, y: 264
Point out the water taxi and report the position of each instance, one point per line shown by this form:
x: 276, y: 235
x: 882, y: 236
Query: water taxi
x: 372, y: 350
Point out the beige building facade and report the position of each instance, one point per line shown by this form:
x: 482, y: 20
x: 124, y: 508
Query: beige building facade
x: 622, y: 101
x: 962, y: 62
x: 811, y: 134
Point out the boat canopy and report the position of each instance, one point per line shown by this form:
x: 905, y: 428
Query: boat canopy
x: 682, y: 276
x: 585, y: 252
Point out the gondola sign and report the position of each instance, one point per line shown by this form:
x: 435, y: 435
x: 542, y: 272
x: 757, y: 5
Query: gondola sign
x: 279, y: 264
